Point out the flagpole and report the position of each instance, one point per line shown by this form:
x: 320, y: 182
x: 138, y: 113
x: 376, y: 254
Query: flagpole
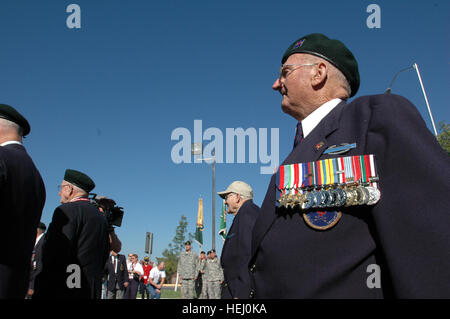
x: 214, y: 201
x: 425, y: 96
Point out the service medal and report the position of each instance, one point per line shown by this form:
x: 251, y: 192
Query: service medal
x: 362, y: 195
x: 351, y: 197
x: 374, y: 195
x: 309, y: 200
x: 342, y: 197
x: 332, y: 198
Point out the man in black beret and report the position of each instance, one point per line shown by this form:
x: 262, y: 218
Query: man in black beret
x: 76, y: 246
x: 360, y: 207
x: 22, y: 198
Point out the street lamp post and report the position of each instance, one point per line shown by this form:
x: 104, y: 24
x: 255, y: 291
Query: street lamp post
x: 416, y: 67
x: 197, y: 149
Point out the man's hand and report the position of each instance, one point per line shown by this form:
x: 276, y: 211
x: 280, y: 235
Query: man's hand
x: 125, y: 284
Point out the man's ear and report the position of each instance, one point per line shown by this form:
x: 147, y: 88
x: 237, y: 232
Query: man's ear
x: 320, y: 75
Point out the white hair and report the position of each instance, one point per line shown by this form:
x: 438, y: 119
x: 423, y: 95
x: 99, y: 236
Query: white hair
x: 9, y: 125
x: 334, y: 73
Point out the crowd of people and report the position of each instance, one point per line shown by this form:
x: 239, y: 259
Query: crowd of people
x: 123, y: 277
x: 200, y: 276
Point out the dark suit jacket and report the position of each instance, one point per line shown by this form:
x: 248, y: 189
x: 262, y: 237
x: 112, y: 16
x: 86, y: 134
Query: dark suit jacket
x: 121, y: 276
x: 236, y: 252
x: 22, y: 198
x: 405, y: 233
x: 78, y: 235
x: 36, y: 261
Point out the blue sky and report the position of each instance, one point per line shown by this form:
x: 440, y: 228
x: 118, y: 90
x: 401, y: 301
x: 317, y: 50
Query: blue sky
x: 105, y: 99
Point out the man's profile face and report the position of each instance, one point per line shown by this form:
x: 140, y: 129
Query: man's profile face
x: 232, y: 201
x: 293, y: 85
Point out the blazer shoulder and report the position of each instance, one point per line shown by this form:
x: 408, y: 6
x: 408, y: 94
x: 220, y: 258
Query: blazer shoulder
x: 385, y: 101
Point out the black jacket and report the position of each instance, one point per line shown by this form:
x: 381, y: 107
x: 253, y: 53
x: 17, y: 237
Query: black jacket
x: 77, y: 235
x: 121, y: 276
x: 36, y: 261
x: 22, y: 198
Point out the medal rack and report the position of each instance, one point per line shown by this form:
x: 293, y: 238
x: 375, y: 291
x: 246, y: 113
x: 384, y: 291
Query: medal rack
x: 329, y: 183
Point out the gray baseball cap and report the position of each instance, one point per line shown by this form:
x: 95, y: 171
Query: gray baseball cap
x: 238, y: 187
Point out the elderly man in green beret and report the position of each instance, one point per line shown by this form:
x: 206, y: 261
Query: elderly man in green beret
x: 360, y: 207
x: 22, y: 198
x: 76, y: 246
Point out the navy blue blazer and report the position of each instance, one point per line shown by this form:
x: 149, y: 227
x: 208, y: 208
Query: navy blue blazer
x: 236, y: 252
x: 405, y: 233
x: 22, y: 198
x: 78, y: 234
x: 36, y: 261
x: 121, y: 276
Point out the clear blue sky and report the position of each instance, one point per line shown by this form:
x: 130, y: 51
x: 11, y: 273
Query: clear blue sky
x: 105, y: 99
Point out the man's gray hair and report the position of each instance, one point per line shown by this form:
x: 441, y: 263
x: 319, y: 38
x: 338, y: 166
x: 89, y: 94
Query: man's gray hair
x: 11, y: 125
x: 335, y: 74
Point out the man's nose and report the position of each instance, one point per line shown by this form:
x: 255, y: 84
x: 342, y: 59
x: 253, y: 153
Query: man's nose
x: 276, y: 86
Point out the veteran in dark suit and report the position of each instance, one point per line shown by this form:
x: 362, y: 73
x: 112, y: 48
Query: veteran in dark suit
x: 237, y: 246
x: 398, y: 245
x: 36, y: 257
x: 76, y: 246
x: 116, y: 269
x: 22, y: 198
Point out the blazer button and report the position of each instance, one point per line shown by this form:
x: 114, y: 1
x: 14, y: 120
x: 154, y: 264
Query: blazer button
x: 252, y: 294
x: 252, y: 268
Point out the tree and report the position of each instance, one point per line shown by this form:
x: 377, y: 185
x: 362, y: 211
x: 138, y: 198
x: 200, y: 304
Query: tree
x: 170, y: 254
x: 444, y: 136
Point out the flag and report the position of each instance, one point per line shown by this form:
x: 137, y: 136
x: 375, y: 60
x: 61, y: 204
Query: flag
x: 223, y: 223
x: 199, y: 231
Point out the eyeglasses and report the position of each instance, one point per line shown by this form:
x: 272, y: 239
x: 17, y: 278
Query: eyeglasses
x: 60, y: 187
x: 284, y: 71
x: 228, y: 195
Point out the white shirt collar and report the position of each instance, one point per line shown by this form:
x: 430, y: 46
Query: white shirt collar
x: 313, y: 119
x: 10, y: 142
x: 37, y: 239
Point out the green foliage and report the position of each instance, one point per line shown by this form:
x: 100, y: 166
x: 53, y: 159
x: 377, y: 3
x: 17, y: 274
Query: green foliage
x: 170, y: 254
x: 444, y: 136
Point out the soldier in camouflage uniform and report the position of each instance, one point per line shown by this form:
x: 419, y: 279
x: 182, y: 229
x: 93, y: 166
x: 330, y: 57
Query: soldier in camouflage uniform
x: 188, y: 269
x: 214, y: 276
x: 200, y: 284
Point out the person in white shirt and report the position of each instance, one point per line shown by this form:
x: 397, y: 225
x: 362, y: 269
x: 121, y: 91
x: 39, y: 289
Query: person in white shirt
x: 135, y: 272
x: 156, y: 280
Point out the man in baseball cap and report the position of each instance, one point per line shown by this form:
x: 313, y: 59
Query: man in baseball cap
x: 237, y: 247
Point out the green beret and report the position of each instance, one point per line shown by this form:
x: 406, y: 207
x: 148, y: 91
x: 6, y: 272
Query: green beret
x: 334, y: 51
x: 9, y: 113
x: 79, y: 179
